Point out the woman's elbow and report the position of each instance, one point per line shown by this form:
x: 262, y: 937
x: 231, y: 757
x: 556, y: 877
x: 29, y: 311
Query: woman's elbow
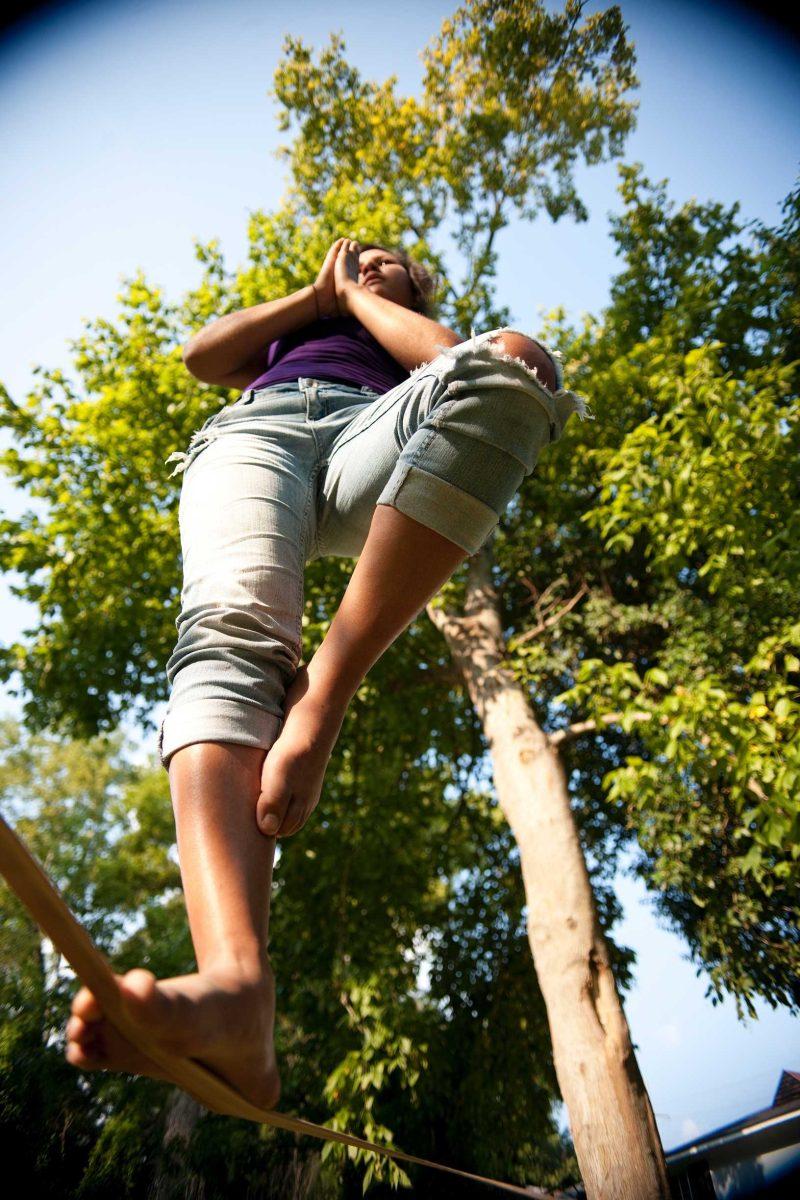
x: 192, y: 360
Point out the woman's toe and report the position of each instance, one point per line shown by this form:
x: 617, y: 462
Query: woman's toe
x: 141, y: 984
x: 87, y: 1056
x: 164, y: 1014
x: 143, y: 999
x: 86, y: 1006
x: 79, y: 1031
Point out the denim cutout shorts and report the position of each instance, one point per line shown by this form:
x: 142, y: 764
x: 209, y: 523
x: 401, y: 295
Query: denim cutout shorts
x: 293, y: 472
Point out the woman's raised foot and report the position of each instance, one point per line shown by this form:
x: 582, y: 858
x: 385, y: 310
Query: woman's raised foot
x: 222, y: 1018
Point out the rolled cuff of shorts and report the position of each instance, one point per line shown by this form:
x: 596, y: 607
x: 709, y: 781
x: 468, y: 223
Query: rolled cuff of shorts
x: 442, y: 506
x: 216, y: 721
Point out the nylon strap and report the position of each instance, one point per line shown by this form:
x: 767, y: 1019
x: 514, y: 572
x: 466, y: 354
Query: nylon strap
x: 42, y: 900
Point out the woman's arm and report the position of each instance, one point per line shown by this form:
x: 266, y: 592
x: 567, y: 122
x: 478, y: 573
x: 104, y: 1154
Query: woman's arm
x: 243, y: 376
x: 230, y: 348
x: 408, y: 336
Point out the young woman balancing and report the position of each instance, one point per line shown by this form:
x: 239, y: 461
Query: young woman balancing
x: 366, y: 429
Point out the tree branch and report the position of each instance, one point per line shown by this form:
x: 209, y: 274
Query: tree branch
x: 548, y: 622
x: 561, y: 736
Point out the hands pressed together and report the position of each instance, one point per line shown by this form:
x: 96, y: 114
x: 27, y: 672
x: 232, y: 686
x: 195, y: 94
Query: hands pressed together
x: 338, y: 275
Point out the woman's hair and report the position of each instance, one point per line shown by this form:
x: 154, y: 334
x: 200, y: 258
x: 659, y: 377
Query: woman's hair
x: 423, y: 283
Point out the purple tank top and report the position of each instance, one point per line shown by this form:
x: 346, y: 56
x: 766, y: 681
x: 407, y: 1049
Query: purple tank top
x: 338, y: 349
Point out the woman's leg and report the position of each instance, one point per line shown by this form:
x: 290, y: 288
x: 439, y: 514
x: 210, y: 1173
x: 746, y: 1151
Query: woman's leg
x: 490, y: 444
x: 402, y: 565
x: 224, y: 1014
x: 243, y: 503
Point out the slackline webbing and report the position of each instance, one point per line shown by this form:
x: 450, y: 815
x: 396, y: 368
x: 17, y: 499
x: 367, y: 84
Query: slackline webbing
x: 42, y: 900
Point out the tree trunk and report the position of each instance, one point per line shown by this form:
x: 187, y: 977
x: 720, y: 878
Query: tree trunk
x: 611, y: 1119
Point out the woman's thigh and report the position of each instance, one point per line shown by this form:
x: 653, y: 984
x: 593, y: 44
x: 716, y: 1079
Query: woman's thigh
x: 246, y: 520
x: 449, y: 446
x: 362, y: 459
x: 244, y: 506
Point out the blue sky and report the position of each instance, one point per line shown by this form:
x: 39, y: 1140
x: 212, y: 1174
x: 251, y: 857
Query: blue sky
x: 130, y: 129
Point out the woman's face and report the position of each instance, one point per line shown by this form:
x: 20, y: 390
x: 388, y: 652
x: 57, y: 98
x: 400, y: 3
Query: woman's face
x: 382, y: 272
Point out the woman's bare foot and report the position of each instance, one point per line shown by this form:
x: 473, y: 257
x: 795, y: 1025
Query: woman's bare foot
x: 221, y: 1018
x: 294, y: 768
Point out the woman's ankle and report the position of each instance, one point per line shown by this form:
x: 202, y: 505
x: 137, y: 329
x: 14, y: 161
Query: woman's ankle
x: 243, y: 968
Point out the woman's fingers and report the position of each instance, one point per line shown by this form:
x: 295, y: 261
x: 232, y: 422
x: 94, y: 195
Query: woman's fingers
x: 342, y: 244
x: 330, y: 257
x: 346, y: 269
x: 341, y: 247
x: 295, y: 819
x: 326, y: 270
x: 325, y: 283
x: 273, y: 803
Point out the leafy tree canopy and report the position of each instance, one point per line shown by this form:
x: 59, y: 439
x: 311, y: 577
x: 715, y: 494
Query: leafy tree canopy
x: 647, y: 577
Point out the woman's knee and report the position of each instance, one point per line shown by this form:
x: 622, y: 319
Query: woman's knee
x: 530, y: 352
x: 229, y: 767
